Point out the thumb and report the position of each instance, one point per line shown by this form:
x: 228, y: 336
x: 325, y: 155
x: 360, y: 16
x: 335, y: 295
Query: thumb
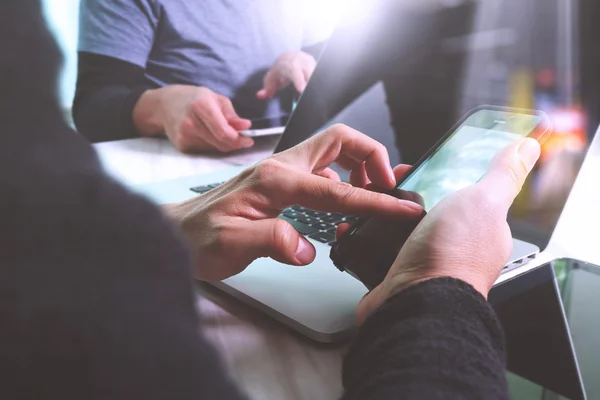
x: 240, y: 124
x: 234, y: 120
x: 509, y: 169
x: 274, y: 238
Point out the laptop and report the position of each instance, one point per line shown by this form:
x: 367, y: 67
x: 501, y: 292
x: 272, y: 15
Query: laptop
x: 435, y: 64
x: 532, y: 310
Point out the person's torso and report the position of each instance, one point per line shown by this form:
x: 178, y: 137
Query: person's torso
x: 225, y: 45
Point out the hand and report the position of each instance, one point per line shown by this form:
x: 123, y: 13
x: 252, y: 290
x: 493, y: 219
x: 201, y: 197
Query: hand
x: 236, y: 223
x: 293, y: 67
x: 193, y: 118
x: 466, y: 235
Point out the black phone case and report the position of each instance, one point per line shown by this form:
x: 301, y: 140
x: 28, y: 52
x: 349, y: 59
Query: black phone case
x: 369, y: 254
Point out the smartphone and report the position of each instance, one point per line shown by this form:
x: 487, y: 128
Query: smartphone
x: 263, y: 132
x: 266, y: 127
x: 458, y: 160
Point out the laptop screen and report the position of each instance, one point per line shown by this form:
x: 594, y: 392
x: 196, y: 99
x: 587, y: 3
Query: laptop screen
x: 540, y: 352
x: 552, y: 347
x: 436, y: 60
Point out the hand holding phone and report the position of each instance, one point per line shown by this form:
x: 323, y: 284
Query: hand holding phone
x: 465, y: 236
x: 458, y: 161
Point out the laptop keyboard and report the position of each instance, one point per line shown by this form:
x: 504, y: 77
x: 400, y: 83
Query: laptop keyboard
x: 317, y: 225
x: 321, y: 226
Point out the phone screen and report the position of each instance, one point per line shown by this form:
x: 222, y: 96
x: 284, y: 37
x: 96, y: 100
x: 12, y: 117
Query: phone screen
x: 464, y: 157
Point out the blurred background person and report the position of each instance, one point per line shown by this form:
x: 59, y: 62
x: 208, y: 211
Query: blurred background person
x: 199, y: 73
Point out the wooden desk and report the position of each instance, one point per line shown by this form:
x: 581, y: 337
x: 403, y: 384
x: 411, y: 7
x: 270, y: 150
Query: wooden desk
x: 266, y: 359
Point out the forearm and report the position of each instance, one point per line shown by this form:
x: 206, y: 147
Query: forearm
x: 438, y: 339
x: 148, y: 114
x: 107, y: 91
x: 106, y: 114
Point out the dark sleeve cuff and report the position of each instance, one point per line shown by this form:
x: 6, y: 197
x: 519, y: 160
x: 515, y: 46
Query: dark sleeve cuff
x: 437, y: 339
x: 128, y: 105
x: 107, y: 91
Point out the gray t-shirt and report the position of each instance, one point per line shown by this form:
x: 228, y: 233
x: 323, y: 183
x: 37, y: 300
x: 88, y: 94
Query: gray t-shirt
x: 225, y: 45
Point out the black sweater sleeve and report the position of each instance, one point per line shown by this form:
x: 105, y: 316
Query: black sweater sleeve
x: 107, y: 91
x: 437, y: 340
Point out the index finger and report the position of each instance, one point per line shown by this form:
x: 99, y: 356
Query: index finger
x: 325, y: 195
x: 323, y: 149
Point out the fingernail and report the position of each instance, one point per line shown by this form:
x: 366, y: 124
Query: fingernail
x: 392, y: 178
x: 529, y: 151
x: 304, y: 252
x: 412, y: 205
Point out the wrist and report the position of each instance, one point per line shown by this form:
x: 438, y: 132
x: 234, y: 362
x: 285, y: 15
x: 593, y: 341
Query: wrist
x: 149, y: 111
x: 400, y: 283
